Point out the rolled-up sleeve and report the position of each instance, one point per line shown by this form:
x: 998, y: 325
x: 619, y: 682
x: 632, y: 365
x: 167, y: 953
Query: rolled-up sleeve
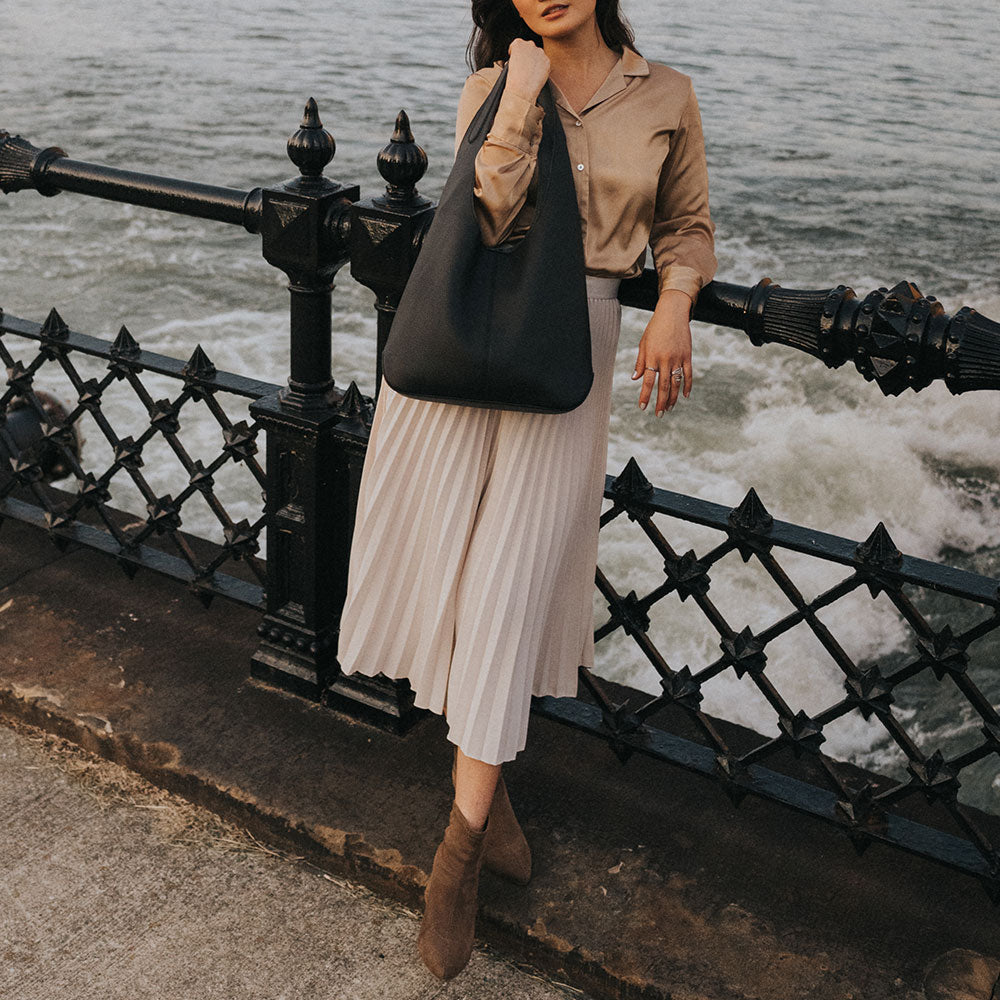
x: 682, y: 236
x: 506, y: 162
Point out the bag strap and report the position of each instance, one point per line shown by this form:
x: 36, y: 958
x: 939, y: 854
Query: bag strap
x: 482, y: 121
x: 553, y: 141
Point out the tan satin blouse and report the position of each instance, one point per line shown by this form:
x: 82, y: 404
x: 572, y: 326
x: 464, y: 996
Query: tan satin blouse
x: 638, y: 159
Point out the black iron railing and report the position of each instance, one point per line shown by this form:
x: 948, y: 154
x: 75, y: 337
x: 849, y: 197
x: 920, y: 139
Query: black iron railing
x: 316, y: 436
x: 62, y: 514
x: 789, y: 767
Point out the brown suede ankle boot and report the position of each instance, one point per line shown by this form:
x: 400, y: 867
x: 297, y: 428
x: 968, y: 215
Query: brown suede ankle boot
x: 448, y: 929
x: 506, y: 852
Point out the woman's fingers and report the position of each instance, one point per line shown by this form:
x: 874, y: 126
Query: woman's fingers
x: 659, y: 377
x: 668, y: 391
x: 647, y: 374
x: 648, y: 385
x: 670, y: 384
x: 640, y: 360
x: 675, y: 386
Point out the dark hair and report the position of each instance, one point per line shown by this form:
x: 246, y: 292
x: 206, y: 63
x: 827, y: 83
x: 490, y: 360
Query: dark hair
x: 497, y: 24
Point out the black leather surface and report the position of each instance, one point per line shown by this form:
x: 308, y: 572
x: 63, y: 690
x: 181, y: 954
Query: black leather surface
x: 503, y: 327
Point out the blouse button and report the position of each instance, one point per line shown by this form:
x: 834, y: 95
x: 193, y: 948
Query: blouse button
x: 579, y: 166
x: 579, y: 123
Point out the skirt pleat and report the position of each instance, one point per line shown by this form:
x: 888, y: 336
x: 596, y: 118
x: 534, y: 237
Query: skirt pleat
x: 475, y: 544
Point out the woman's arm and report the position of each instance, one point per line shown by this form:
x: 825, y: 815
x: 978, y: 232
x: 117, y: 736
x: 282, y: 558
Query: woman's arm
x: 682, y: 238
x: 506, y: 162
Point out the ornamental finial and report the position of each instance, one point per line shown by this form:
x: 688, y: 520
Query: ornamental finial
x: 311, y: 148
x: 402, y: 163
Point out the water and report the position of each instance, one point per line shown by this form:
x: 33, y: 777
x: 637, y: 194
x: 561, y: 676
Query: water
x: 852, y: 143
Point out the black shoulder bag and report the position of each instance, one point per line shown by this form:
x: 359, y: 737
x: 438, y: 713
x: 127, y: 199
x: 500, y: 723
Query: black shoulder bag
x: 507, y: 326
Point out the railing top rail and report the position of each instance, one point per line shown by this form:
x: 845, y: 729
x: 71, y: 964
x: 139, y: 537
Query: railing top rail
x: 897, y: 338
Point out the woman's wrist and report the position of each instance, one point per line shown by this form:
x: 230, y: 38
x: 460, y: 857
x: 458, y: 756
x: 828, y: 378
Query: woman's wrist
x: 674, y: 303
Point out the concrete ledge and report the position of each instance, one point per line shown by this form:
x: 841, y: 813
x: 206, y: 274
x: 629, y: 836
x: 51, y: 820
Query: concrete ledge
x: 648, y: 884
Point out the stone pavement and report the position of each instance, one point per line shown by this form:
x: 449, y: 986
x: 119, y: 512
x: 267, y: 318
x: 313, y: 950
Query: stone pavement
x: 111, y: 887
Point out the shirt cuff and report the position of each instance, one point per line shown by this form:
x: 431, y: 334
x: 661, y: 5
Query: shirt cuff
x: 685, y: 279
x: 518, y: 122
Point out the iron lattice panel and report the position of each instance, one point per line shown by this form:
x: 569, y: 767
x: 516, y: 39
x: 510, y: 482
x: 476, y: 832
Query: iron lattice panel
x: 129, y: 542
x: 865, y: 809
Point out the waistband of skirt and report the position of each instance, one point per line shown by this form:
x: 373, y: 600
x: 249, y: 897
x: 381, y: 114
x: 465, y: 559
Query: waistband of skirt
x: 599, y: 287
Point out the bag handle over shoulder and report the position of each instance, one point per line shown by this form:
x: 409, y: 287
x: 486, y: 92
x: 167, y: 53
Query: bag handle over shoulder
x: 552, y: 138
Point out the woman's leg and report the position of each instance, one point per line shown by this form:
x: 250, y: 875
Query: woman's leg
x: 475, y: 782
x: 447, y: 931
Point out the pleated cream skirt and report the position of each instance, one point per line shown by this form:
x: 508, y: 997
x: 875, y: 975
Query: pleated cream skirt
x: 475, y: 544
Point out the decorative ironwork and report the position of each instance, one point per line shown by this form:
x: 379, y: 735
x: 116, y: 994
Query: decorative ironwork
x: 63, y: 513
x: 387, y: 231
x: 24, y: 427
x: 898, y: 338
x: 951, y: 832
x: 314, y: 451
x: 49, y: 171
x: 304, y: 233
x: 23, y: 165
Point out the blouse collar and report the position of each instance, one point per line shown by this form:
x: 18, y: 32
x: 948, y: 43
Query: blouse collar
x: 629, y: 63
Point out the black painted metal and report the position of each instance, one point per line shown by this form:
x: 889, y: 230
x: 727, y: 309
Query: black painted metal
x: 316, y: 439
x: 60, y: 513
x: 50, y: 171
x: 304, y: 585
x: 26, y: 430
x: 386, y: 231
x: 862, y: 805
x: 897, y: 831
x: 896, y: 337
x: 315, y: 449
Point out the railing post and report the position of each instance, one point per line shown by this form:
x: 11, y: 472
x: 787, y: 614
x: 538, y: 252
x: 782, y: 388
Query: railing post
x: 304, y: 233
x: 385, y: 236
x: 386, y: 232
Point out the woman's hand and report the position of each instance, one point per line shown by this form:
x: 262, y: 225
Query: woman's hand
x: 527, y: 69
x: 665, y: 346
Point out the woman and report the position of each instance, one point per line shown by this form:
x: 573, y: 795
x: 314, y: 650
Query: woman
x: 475, y: 545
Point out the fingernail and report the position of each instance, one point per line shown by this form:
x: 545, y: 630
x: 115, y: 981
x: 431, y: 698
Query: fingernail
x: 659, y: 413
x: 642, y: 406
